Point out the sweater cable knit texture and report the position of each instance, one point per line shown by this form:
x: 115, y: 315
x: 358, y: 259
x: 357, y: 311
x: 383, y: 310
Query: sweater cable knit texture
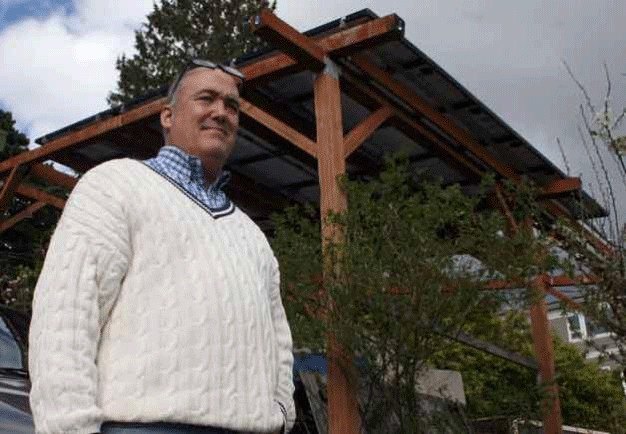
x: 149, y: 309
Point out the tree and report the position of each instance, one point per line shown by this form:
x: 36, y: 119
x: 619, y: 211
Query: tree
x: 12, y: 142
x: 411, y: 268
x: 177, y: 30
x: 604, y: 139
x: 590, y: 397
x: 22, y: 247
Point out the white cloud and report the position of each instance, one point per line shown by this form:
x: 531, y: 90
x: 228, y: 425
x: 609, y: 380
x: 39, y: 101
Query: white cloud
x: 111, y: 14
x: 59, y: 69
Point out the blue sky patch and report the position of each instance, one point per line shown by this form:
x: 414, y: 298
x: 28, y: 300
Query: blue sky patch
x: 12, y: 11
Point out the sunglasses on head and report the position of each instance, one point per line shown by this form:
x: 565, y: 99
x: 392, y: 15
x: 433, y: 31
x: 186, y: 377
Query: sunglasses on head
x: 212, y: 65
x: 201, y: 63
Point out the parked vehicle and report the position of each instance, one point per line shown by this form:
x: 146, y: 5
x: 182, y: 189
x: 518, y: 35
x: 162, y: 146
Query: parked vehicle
x: 15, y: 414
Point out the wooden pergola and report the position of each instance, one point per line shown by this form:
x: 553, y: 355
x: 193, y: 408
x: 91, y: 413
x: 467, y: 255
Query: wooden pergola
x: 329, y: 102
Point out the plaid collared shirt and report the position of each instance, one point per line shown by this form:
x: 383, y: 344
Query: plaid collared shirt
x: 185, y: 172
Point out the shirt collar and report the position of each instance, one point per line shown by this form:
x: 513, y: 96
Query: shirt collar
x: 189, y: 168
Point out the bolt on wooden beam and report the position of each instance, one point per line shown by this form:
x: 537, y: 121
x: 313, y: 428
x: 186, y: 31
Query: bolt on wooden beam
x: 287, y: 39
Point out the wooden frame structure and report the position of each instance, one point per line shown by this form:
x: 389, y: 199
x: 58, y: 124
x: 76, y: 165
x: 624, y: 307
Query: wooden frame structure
x: 338, y: 62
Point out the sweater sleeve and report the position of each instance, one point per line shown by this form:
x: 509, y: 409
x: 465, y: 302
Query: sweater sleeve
x: 84, y: 266
x: 285, y: 387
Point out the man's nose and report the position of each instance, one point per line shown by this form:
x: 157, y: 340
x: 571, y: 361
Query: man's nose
x: 219, y: 108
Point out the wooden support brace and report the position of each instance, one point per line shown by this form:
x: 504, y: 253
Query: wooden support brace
x: 504, y: 208
x: 48, y: 173
x: 571, y: 304
x: 413, y: 128
x: 276, y: 125
x: 289, y: 40
x: 25, y: 213
x: 34, y: 193
x: 344, y: 42
x: 560, y: 187
x: 16, y: 176
x: 442, y: 122
x: 365, y: 129
x: 90, y: 131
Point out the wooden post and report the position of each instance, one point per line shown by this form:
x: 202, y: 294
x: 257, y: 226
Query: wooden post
x: 343, y: 411
x: 540, y: 330
x: 544, y: 352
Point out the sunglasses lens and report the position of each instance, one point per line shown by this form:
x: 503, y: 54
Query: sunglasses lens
x: 204, y: 63
x: 211, y: 65
x: 233, y: 71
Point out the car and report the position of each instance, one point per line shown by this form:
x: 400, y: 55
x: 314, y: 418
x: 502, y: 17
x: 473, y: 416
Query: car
x: 15, y: 414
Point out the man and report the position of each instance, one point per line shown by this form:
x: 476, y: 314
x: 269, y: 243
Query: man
x: 158, y: 308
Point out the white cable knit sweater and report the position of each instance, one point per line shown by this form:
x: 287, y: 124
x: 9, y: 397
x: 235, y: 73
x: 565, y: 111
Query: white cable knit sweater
x: 149, y: 309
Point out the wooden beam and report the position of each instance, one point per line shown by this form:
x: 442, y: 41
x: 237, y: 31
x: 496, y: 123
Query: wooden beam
x: 47, y: 173
x: 544, y: 352
x: 278, y: 127
x: 552, y: 281
x: 560, y: 187
x: 75, y: 138
x: 25, y: 213
x: 365, y: 129
x: 342, y: 43
x: 287, y: 39
x: 504, y: 208
x: 361, y: 36
x: 412, y: 128
x: 463, y: 137
x: 558, y: 210
x: 10, y: 184
x: 556, y: 281
x: 446, y: 125
x: 35, y: 193
x: 343, y: 410
x: 571, y: 304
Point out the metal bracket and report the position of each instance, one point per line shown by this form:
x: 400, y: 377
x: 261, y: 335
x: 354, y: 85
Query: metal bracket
x: 331, y: 68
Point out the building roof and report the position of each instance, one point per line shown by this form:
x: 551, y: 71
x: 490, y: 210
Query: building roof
x: 437, y: 109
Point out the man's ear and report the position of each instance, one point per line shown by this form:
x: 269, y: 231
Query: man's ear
x: 166, y: 117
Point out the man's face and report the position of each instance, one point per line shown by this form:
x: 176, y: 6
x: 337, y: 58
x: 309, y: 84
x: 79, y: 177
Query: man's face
x: 204, y: 116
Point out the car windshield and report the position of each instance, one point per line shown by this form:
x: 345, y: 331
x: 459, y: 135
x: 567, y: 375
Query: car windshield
x: 10, y: 352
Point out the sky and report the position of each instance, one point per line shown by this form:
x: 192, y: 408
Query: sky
x: 58, y: 57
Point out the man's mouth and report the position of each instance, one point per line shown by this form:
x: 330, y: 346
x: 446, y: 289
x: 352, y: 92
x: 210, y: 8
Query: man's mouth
x: 214, y: 128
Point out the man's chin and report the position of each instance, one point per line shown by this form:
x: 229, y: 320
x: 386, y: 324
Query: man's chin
x: 215, y: 153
